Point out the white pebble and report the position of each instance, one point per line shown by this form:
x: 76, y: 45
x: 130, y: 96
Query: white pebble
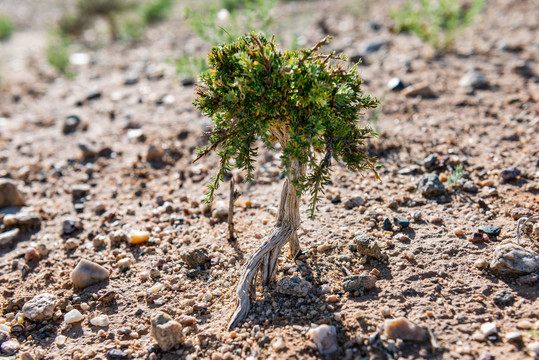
x: 489, y: 328
x: 73, y: 316
x: 156, y: 288
x: 325, y: 338
x: 101, y: 321
x: 61, y: 339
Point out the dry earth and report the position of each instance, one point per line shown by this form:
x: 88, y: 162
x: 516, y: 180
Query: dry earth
x: 141, y: 178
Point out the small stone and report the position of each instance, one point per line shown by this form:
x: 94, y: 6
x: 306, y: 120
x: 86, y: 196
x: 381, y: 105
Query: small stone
x: 421, y: 89
x: 70, y: 226
x: 332, y: 298
x: 115, y: 354
x: 138, y: 237
x: 513, y: 260
x: 31, y: 255
x: 470, y: 187
x: 28, y: 220
x: 61, y: 340
x: 366, y: 245
x: 73, y: 316
x: 401, y: 222
x: 187, y: 320
x: 489, y: 328
x: 80, y: 190
x: 354, y: 202
x: 395, y: 84
x: 71, y: 244
x: 533, y: 349
x: 430, y: 186
x: 10, y: 346
x: 26, y: 356
x: 359, y: 283
x: 458, y: 232
x: 503, y: 298
x: 101, y: 321
x: 510, y: 174
x: 71, y: 123
x: 490, y: 230
x: 386, y: 224
x: 156, y: 288
x: 513, y: 337
x: 195, y: 258
x: 474, y: 79
x: 294, y: 286
x: 40, y: 307
x: 124, y: 264
x: 375, y: 272
x: 167, y: 332
x: 481, y: 264
x: 220, y: 212
x: 323, y: 248
x: 325, y: 338
x: 88, y: 151
x: 117, y: 237
x: 10, y: 195
x: 524, y: 325
x: 523, y: 68
x: 87, y: 273
x: 478, y: 238
x: 4, y: 335
x: 278, y: 344
x: 401, y: 328
x: 401, y: 237
x: 154, y: 154
x: 131, y: 78
x: 8, y: 237
x: 519, y: 212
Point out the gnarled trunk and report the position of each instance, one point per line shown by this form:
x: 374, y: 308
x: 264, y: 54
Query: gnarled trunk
x: 265, y: 257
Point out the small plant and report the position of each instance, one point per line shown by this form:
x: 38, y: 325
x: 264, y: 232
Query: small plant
x: 156, y: 11
x: 301, y: 100
x: 455, y: 176
x: 188, y: 67
x: 58, y: 53
x: 436, y: 21
x: 126, y: 19
x: 6, y: 27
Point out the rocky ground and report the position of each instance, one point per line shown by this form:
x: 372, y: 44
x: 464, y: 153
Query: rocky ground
x: 106, y: 250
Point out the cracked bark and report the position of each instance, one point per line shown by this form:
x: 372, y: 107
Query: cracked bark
x: 264, y: 259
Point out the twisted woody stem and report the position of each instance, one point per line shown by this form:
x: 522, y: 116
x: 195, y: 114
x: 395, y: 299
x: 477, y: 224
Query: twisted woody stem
x: 264, y: 259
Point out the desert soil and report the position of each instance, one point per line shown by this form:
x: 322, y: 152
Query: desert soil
x: 141, y: 177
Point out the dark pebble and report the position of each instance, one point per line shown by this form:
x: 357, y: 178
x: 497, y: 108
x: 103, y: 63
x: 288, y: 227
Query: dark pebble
x: 509, y: 174
x: 115, y: 354
x: 71, y: 124
x: 490, y: 230
x: 402, y: 222
x: 386, y: 225
x: 335, y: 201
x: 503, y: 298
x: 93, y: 95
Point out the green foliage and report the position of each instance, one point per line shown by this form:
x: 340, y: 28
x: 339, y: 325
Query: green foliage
x: 127, y: 19
x: 243, y: 16
x: 187, y: 66
x: 156, y: 11
x: 58, y: 53
x: 254, y: 91
x: 6, y: 27
x: 436, y: 21
x: 455, y: 176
